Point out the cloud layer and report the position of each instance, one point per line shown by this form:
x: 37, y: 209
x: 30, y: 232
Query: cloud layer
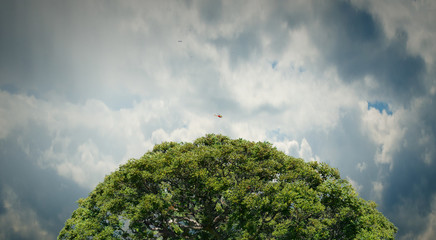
x: 86, y: 85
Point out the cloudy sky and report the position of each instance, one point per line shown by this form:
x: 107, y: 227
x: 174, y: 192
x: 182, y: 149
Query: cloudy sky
x: 87, y: 85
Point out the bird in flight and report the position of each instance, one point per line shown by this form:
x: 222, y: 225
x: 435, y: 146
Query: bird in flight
x: 218, y: 115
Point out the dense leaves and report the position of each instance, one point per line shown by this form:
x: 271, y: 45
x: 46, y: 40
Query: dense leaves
x: 218, y: 188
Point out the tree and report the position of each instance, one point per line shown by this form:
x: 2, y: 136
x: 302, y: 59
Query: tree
x: 219, y: 188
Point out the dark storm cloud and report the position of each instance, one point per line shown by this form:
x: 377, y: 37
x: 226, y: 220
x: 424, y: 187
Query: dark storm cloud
x: 354, y: 41
x: 210, y: 11
x: 62, y: 48
x: 42, y: 191
x: 241, y: 47
x: 27, y: 44
x: 411, y: 185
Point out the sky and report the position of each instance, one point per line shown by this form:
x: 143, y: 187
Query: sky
x: 86, y: 85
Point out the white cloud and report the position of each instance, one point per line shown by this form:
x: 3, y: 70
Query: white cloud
x: 87, y: 166
x: 85, y: 141
x: 399, y: 131
x: 355, y: 185
x: 290, y: 148
x: 12, y: 115
x: 377, y: 191
x: 306, y: 151
x: 293, y: 148
x: 385, y: 130
x: 361, y: 166
x: 89, y: 140
x: 305, y: 100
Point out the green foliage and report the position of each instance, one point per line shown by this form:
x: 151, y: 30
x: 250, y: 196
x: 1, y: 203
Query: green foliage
x: 218, y: 188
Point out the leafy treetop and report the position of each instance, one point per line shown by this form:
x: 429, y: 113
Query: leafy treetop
x: 219, y: 188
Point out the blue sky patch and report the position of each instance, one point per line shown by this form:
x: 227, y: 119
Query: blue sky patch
x: 274, y: 64
x: 380, y: 106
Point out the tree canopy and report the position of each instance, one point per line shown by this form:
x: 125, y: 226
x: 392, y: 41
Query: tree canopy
x: 220, y: 188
